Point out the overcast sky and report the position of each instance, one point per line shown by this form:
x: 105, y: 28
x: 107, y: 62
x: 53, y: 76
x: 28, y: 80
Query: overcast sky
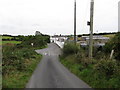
x: 24, y: 17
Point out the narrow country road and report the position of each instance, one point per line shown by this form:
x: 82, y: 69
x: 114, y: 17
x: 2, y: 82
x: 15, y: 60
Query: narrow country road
x: 50, y: 73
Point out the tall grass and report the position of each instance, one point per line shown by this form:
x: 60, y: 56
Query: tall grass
x: 98, y: 72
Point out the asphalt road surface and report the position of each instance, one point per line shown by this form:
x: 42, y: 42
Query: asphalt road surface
x: 50, y: 73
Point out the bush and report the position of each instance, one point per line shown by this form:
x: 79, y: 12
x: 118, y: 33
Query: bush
x: 70, y: 48
x: 113, y: 44
x: 14, y: 57
x: 107, y: 67
x: 80, y: 56
x: 38, y: 41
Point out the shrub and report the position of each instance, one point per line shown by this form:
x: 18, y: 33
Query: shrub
x: 106, y: 67
x: 38, y: 41
x: 114, y: 43
x: 70, y: 48
x: 14, y: 57
x: 80, y: 56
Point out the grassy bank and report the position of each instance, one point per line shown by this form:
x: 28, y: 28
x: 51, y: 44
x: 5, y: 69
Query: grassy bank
x: 98, y: 72
x: 20, y: 60
x: 18, y: 65
x: 90, y: 75
x: 18, y: 79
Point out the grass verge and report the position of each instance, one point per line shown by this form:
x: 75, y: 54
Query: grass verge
x: 20, y: 59
x: 90, y: 75
x: 18, y: 79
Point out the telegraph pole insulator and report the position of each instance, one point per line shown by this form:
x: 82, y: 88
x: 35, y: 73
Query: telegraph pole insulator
x: 88, y: 23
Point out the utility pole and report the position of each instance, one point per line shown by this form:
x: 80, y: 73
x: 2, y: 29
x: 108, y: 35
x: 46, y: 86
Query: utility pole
x: 91, y: 29
x: 119, y: 16
x: 75, y: 21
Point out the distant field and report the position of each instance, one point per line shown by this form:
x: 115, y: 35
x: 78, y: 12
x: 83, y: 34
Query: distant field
x: 9, y: 37
x: 12, y: 42
x: 6, y: 37
x: 109, y: 35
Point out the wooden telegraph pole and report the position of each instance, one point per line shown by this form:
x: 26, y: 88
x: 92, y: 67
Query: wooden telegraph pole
x: 119, y: 16
x: 75, y: 21
x: 91, y: 29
